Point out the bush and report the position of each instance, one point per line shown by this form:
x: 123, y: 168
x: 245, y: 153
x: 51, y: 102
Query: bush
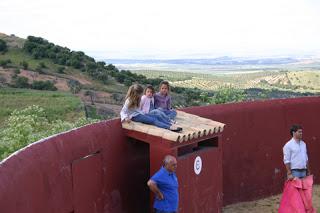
x: 61, y: 70
x: 4, y: 63
x: 43, y: 85
x: 24, y: 65
x: 29, y: 125
x: 228, y: 94
x: 42, y: 65
x: 21, y: 82
x: 3, y: 46
x: 39, y: 70
x: 74, y: 86
x: 3, y: 80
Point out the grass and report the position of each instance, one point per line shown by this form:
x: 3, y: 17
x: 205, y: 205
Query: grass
x: 17, y: 56
x: 58, y: 105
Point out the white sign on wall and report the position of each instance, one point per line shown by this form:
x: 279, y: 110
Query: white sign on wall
x: 197, y: 166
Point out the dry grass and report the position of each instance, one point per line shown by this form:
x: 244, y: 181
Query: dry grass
x: 267, y: 205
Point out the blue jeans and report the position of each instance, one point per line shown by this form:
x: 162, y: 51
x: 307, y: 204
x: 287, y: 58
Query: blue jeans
x: 171, y: 113
x: 151, y: 119
x: 161, y: 115
x: 160, y: 211
x: 299, y: 173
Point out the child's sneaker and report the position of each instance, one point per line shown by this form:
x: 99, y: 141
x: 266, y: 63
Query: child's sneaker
x: 178, y: 129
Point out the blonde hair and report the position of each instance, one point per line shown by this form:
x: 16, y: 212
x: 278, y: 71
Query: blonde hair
x: 134, y: 95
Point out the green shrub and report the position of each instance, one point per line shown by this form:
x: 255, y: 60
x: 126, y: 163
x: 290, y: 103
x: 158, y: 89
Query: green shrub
x: 228, y: 94
x: 74, y: 86
x: 3, y: 46
x: 24, y: 65
x: 43, y: 85
x: 61, y: 70
x: 29, y: 125
x: 21, y: 82
x: 42, y: 65
x: 4, y: 63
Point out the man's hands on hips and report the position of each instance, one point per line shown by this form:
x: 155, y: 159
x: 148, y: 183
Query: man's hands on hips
x: 160, y: 196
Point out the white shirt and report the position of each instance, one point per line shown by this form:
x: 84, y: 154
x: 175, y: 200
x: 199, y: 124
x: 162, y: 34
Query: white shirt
x: 295, y: 153
x: 129, y: 113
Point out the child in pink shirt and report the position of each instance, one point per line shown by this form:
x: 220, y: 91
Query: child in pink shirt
x: 147, y: 104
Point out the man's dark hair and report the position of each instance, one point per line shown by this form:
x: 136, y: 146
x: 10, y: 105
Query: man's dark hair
x: 294, y: 128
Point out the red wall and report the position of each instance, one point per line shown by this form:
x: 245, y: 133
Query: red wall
x: 51, y: 175
x: 253, y: 139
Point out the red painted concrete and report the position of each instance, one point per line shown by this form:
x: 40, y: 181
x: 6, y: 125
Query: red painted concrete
x: 198, y: 193
x: 253, y: 140
x: 41, y: 178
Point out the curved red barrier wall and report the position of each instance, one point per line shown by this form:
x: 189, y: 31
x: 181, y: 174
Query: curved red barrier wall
x: 253, y: 141
x: 51, y: 175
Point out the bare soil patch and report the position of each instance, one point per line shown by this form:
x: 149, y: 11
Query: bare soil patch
x: 268, y: 205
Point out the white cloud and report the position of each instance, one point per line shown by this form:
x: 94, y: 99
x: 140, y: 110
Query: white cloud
x: 168, y: 27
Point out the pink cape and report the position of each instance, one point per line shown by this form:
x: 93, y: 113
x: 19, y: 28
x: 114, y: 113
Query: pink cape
x: 297, y: 196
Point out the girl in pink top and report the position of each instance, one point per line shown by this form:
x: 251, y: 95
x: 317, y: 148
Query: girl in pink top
x: 147, y: 104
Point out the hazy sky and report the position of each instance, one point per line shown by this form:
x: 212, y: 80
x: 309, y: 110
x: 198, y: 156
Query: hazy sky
x: 169, y: 28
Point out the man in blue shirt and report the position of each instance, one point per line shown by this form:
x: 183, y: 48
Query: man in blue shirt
x: 165, y: 186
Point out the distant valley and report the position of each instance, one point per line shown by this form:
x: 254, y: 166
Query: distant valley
x: 221, y: 65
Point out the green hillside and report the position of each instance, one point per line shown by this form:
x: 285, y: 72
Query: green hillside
x: 37, y: 64
x: 58, y: 105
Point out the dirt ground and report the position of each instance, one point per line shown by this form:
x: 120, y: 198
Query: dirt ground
x: 268, y: 205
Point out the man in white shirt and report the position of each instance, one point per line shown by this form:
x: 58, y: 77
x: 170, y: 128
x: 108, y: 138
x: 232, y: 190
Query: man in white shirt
x: 295, y: 155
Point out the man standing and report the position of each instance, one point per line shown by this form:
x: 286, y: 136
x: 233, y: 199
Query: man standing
x: 295, y: 155
x: 164, y: 184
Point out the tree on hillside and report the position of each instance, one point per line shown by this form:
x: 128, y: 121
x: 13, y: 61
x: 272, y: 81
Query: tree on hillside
x: 3, y: 46
x: 74, y: 86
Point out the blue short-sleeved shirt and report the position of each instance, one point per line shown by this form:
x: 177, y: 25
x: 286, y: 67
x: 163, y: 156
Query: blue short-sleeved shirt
x: 168, y: 184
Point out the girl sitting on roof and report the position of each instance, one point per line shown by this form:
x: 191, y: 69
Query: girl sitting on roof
x: 131, y: 111
x: 147, y: 104
x: 162, y: 100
